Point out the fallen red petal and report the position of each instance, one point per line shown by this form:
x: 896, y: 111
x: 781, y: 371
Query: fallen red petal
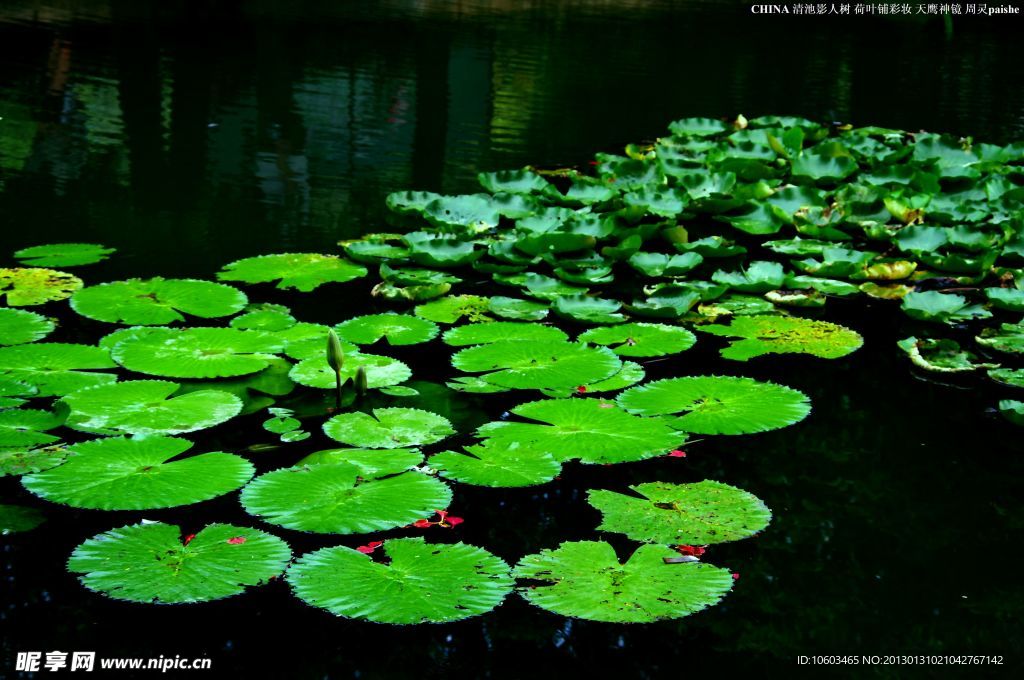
x: 676, y: 453
x: 188, y: 539
x: 237, y: 540
x: 735, y: 577
x: 455, y: 520
x: 422, y: 524
x: 694, y: 550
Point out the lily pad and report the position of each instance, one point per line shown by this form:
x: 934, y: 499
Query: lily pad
x: 333, y: 499
x: 299, y: 271
x: 719, y: 404
x: 151, y: 562
x: 397, y: 329
x: 198, y: 352
x: 388, y: 428
x: 420, y: 583
x: 381, y: 371
x: 117, y: 473
x: 1009, y: 337
x: 586, y: 580
x: 56, y: 368
x: 18, y: 326
x: 497, y: 465
x: 157, y: 301
x: 29, y: 286
x: 941, y: 307
x: 940, y: 355
x: 145, y: 407
x: 641, y: 339
x: 681, y: 514
x: 536, y: 364
x: 27, y: 427
x: 762, y: 334
x: 498, y: 331
x: 591, y: 430
x: 452, y: 308
x: 23, y: 461
x: 63, y: 254
x: 371, y: 462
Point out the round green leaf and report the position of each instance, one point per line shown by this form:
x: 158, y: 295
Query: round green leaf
x: 498, y: 465
x: 718, y: 404
x: 763, y: 334
x: 496, y: 331
x: 197, y: 352
x: 157, y: 301
x: 592, y: 430
x: 333, y: 499
x: 117, y: 473
x: 388, y: 428
x: 380, y: 371
x: 36, y: 286
x: 301, y: 271
x: 641, y: 339
x: 371, y: 462
x: 18, y: 326
x: 56, y: 368
x: 26, y: 427
x: 150, y: 562
x: 14, y: 462
x: 63, y: 254
x: 421, y: 583
x: 536, y: 364
x: 398, y: 329
x: 452, y: 308
x: 586, y: 580
x: 146, y: 407
x: 681, y: 514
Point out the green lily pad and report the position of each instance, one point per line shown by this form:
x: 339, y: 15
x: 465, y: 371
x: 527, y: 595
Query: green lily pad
x: 157, y: 301
x: 587, y: 309
x: 719, y: 404
x: 681, y: 514
x: 63, y: 254
x: 500, y: 331
x: 29, y: 286
x: 27, y: 427
x: 299, y: 271
x: 388, y: 428
x: 497, y: 465
x: 150, y: 562
x: 398, y: 329
x: 1008, y: 338
x: 18, y: 518
x: 1012, y: 410
x: 198, y: 352
x: 1008, y: 376
x: 941, y: 307
x: 381, y: 371
x: 586, y: 580
x: 56, y: 368
x: 513, y: 308
x: 117, y: 473
x: 1010, y: 299
x: 762, y: 334
x: 18, y: 326
x: 420, y: 583
x: 270, y: 320
x: 591, y: 430
x: 452, y: 308
x: 535, y: 364
x: 333, y: 499
x: 15, y: 461
x: 371, y: 462
x: 145, y: 407
x: 758, y: 277
x: 641, y: 339
x: 940, y: 355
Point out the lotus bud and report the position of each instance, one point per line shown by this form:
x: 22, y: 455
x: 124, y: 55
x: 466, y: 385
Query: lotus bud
x: 335, y: 355
x: 740, y: 123
x: 361, y: 380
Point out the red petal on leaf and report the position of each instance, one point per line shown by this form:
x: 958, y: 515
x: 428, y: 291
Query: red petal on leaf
x: 422, y: 524
x: 582, y: 389
x: 735, y: 577
x: 694, y: 550
x: 237, y: 540
x: 676, y: 453
x: 188, y: 539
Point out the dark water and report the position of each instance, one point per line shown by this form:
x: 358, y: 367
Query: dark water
x: 190, y: 134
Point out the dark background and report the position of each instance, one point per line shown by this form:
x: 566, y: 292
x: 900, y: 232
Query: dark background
x: 190, y: 134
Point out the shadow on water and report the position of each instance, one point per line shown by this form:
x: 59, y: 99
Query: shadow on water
x: 190, y: 134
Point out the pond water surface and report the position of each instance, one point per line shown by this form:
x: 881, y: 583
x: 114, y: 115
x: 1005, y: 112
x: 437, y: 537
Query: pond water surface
x: 202, y: 132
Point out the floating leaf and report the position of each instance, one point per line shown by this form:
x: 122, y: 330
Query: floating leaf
x: 526, y: 364
x: 25, y: 427
x: 641, y: 339
x: 371, y: 462
x: 497, y: 465
x: 758, y: 277
x: 63, y: 254
x: 681, y: 514
x: 785, y: 335
x: 940, y: 356
x: 718, y: 404
x: 451, y: 309
x: 512, y: 308
x: 1008, y: 337
x: 380, y: 371
x: 198, y: 352
x: 134, y: 474
x: 498, y: 331
x: 388, y: 428
x: 18, y: 518
x: 300, y: 271
x: 420, y: 583
x: 398, y: 329
x: 586, y: 580
x: 331, y: 499
x: 56, y: 368
x: 1008, y: 376
x: 1012, y: 410
x: 36, y: 286
x: 14, y: 462
x: 146, y: 407
x: 586, y: 309
x: 941, y: 307
x: 590, y: 430
x: 157, y: 301
x: 150, y: 563
x: 18, y: 326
